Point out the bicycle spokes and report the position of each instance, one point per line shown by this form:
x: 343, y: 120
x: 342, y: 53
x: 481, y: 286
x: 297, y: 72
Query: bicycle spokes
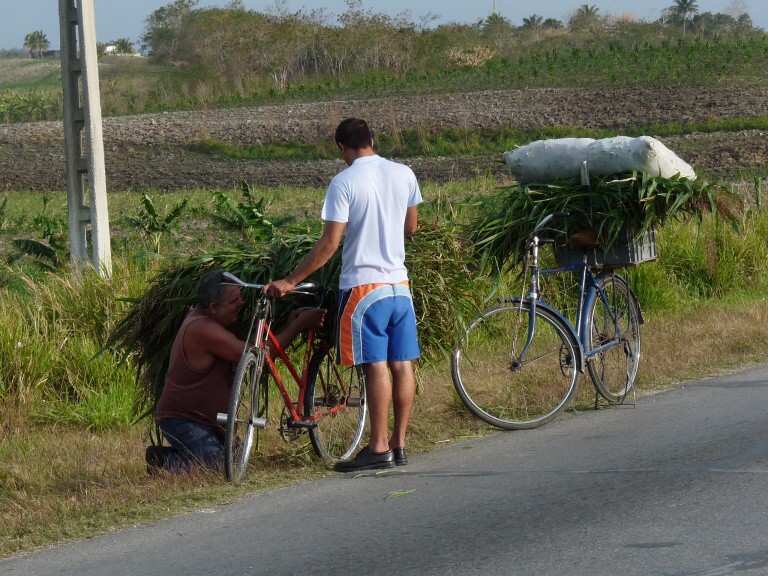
x: 336, y: 404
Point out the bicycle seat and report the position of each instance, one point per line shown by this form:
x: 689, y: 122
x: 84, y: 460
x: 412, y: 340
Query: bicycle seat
x: 584, y: 240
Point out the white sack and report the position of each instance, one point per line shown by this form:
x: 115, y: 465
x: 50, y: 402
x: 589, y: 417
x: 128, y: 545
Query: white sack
x: 644, y: 154
x: 546, y: 160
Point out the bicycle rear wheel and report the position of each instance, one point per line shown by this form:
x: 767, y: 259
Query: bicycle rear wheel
x: 613, y: 370
x: 501, y: 388
x: 244, y: 409
x: 335, y: 400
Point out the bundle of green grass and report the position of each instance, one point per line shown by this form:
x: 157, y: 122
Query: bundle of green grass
x: 444, y: 280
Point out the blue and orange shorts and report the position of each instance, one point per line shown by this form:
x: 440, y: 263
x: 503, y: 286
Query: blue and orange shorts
x: 376, y: 323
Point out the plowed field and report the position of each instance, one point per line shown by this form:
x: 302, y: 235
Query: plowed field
x: 145, y: 152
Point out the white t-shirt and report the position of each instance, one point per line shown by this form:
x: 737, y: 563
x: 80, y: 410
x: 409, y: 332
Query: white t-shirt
x: 372, y: 197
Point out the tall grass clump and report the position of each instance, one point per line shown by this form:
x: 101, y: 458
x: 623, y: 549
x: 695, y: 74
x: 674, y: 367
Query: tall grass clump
x: 708, y: 258
x: 308, y: 56
x: 712, y: 260
x: 52, y: 332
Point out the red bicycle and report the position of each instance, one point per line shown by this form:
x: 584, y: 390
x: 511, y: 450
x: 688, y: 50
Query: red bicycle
x: 330, y: 404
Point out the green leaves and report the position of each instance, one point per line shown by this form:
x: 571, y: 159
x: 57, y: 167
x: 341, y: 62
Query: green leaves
x: 45, y: 256
x: 636, y: 200
x: 248, y: 215
x: 154, y: 225
x: 31, y: 106
x: 53, y: 231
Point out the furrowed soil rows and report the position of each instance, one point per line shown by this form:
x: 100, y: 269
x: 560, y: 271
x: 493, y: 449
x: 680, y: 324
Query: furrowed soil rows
x: 146, y: 152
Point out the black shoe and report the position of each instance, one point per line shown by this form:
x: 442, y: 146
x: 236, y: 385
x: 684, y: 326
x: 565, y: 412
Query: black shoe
x: 155, y: 457
x: 366, y: 460
x: 401, y: 456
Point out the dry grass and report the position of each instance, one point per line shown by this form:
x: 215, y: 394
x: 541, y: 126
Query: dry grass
x: 63, y: 483
x: 717, y: 338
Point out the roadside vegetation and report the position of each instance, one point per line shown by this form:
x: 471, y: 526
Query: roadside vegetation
x: 71, y: 457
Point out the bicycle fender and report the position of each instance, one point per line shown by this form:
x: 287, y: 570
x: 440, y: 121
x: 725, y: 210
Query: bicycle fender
x: 554, y: 312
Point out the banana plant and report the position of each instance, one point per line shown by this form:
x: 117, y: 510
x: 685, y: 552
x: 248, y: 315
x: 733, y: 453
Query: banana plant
x: 154, y: 225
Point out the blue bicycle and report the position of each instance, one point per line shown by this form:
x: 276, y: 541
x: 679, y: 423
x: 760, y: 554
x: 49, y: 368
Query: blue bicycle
x: 520, y: 361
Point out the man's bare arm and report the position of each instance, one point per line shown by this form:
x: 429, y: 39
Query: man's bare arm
x: 300, y: 321
x: 317, y: 257
x: 411, y: 220
x: 206, y: 340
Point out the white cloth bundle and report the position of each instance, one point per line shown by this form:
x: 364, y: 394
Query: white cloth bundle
x: 547, y: 160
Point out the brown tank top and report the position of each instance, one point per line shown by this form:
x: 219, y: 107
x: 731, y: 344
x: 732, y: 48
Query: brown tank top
x: 192, y: 394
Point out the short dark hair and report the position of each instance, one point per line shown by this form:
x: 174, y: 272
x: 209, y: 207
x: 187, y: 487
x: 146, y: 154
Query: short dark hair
x: 209, y: 289
x: 354, y: 133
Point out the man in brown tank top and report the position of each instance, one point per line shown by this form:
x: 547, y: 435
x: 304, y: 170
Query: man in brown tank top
x: 200, y: 373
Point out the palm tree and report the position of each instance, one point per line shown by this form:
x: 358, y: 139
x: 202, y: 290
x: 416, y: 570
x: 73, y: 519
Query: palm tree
x: 552, y: 24
x: 36, y: 43
x: 494, y: 24
x: 124, y: 46
x: 684, y: 8
x: 494, y: 19
x: 532, y: 22
x: 585, y: 17
x: 588, y: 11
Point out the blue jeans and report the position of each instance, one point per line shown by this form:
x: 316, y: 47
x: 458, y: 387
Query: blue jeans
x: 192, y: 444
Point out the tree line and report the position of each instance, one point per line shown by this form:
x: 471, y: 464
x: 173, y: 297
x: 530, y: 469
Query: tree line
x: 235, y: 43
x: 37, y: 43
x: 307, y: 42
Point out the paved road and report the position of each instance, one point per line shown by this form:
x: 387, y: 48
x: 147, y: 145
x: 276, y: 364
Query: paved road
x: 676, y: 486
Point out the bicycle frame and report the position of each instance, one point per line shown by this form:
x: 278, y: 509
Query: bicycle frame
x: 588, y: 289
x: 301, y: 380
x: 263, y: 334
x: 534, y: 302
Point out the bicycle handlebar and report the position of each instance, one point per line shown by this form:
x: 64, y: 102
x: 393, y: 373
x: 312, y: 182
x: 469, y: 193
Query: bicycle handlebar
x: 306, y: 288
x: 548, y: 217
x: 533, y: 237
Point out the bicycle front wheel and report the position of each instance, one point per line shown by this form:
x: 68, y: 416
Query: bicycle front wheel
x: 335, y: 401
x: 507, y: 390
x: 614, y: 369
x: 244, y: 409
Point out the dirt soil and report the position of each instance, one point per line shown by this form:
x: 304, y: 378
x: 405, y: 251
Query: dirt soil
x: 146, y: 152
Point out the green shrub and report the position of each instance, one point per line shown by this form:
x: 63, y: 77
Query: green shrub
x: 31, y: 106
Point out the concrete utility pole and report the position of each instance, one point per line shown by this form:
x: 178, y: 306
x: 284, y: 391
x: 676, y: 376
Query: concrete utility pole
x: 84, y: 148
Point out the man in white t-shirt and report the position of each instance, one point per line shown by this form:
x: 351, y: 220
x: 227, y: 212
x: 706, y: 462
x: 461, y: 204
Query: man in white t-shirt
x: 375, y: 201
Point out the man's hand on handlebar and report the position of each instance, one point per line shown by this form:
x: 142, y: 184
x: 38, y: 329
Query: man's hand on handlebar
x: 279, y: 288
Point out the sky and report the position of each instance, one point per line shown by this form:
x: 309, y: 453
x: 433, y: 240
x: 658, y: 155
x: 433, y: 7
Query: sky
x: 126, y: 18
